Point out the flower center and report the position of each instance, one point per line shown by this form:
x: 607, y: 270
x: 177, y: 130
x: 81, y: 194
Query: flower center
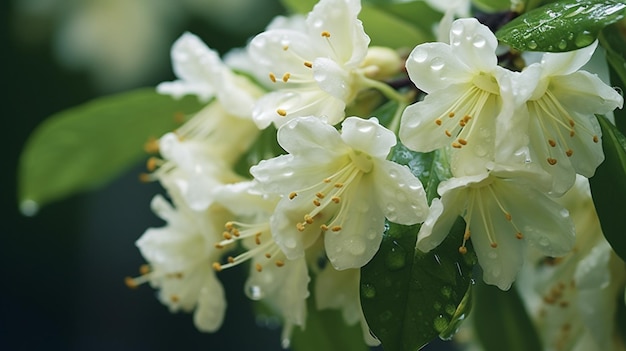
x: 556, y: 125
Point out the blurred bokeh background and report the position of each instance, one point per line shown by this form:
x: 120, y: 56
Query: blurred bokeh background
x: 63, y: 270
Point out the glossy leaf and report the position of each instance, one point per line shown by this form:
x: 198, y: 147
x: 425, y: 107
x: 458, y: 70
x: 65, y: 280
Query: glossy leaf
x: 561, y: 26
x: 613, y: 40
x: 493, y: 5
x: 501, y: 321
x: 410, y: 297
x: 608, y: 185
x: 85, y: 146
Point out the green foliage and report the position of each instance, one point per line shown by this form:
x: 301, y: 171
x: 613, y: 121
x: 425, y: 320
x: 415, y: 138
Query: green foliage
x: 493, y: 5
x: 609, y: 184
x: 410, y: 297
x: 501, y: 321
x: 613, y: 40
x: 561, y: 26
x: 85, y: 146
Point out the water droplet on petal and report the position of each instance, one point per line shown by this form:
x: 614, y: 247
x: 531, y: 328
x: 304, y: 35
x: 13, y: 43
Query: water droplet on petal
x: 254, y: 292
x: 290, y: 243
x: 564, y: 213
x: 357, y: 247
x: 479, y: 42
x: 437, y: 64
x: 420, y: 55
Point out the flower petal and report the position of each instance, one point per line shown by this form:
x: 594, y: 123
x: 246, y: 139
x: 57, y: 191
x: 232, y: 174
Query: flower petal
x: 367, y: 136
x: 399, y: 193
x: 475, y: 44
x: 433, y: 66
x: 347, y: 42
x: 362, y: 230
x: 564, y: 63
x: 209, y: 313
x: 309, y: 135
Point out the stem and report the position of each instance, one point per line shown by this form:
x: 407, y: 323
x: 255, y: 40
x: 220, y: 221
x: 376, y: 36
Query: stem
x: 394, y: 125
x: 385, y: 89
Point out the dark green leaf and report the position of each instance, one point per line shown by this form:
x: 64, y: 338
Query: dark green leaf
x: 613, y: 39
x: 326, y: 330
x: 501, y: 321
x: 493, y: 5
x: 85, y: 146
x: 608, y: 185
x: 410, y: 297
x: 561, y: 26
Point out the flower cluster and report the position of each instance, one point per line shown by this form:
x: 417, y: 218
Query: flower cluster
x: 317, y: 208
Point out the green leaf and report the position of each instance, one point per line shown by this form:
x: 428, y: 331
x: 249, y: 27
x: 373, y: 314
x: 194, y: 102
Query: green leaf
x: 613, y: 40
x: 608, y: 185
x: 299, y: 6
x: 410, y: 297
x: 85, y: 146
x: 493, y: 5
x: 326, y: 330
x: 501, y: 321
x: 399, y: 25
x: 561, y: 26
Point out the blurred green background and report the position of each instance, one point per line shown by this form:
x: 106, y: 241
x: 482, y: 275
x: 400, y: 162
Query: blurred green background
x: 63, y: 270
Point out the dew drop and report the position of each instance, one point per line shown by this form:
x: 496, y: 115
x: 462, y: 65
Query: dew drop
x: 440, y: 323
x: 368, y: 291
x: 437, y: 64
x: 437, y: 306
x: 29, y: 207
x: 446, y: 291
x: 356, y: 247
x: 544, y: 241
x: 562, y: 44
x: 401, y: 196
x: 583, y: 39
x: 396, y: 257
x: 570, y: 36
x: 366, y: 128
x: 288, y: 172
x: 532, y: 44
x: 564, y: 213
x: 290, y: 243
x: 420, y: 55
x: 479, y: 42
x: 393, y: 173
x: 450, y: 309
x: 254, y: 292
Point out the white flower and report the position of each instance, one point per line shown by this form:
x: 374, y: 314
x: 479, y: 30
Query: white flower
x: 192, y: 169
x: 559, y: 107
x: 201, y: 72
x: 464, y: 83
x: 180, y: 256
x: 501, y: 215
x: 341, y: 290
x: 340, y: 185
x: 279, y: 282
x: 573, y: 299
x: 314, y: 67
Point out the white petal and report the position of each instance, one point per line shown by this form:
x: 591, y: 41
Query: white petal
x: 291, y: 241
x: 339, y: 290
x: 209, y: 313
x: 475, y: 44
x: 419, y: 129
x: 310, y: 135
x: 443, y: 213
x: 433, y: 66
x: 563, y: 63
x: 332, y: 78
x: 544, y: 223
x: 399, y: 193
x: 307, y: 100
x: 585, y: 93
x: 347, y: 42
x: 362, y: 230
x: 368, y: 136
x: 268, y: 50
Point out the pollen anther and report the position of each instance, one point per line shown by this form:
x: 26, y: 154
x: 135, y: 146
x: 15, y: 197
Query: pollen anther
x: 281, y: 112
